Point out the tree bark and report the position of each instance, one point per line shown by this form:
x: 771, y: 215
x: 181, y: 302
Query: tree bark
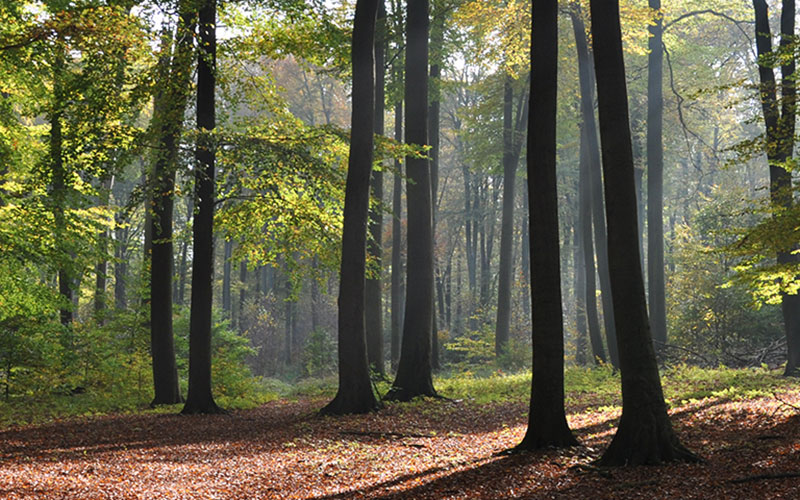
x: 645, y: 434
x: 779, y: 119
x: 414, y: 377
x: 168, y: 121
x: 200, y: 398
x: 547, y: 422
x: 227, y: 251
x: 374, y: 290
x: 655, y: 180
x: 397, y: 243
x: 585, y: 73
x: 436, y: 48
x: 587, y: 253
x: 355, y: 394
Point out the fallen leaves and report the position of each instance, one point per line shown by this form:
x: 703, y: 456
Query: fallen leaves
x: 432, y: 449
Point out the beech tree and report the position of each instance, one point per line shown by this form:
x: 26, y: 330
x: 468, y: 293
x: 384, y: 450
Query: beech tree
x: 779, y: 120
x: 169, y: 108
x: 547, y: 421
x: 645, y: 434
x: 414, y: 377
x: 199, y: 398
x: 355, y: 393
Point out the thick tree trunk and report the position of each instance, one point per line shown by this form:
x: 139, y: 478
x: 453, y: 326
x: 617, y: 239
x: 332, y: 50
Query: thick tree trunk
x: 414, y: 376
x: 199, y: 398
x: 655, y: 181
x: 547, y: 422
x: 355, y: 394
x: 374, y: 290
x: 645, y: 434
x: 779, y: 119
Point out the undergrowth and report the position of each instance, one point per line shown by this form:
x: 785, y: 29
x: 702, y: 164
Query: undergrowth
x: 587, y: 389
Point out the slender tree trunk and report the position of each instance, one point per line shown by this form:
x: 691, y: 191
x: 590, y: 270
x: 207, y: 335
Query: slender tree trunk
x: 779, y: 119
x: 58, y: 188
x: 437, y: 46
x: 645, y: 434
x: 586, y: 69
x: 355, y: 394
x: 397, y: 242
x: 242, y: 294
x: 101, y: 268
x: 168, y: 121
x: 655, y: 181
x: 181, y: 297
x: 594, y: 193
x: 199, y: 398
x: 374, y: 290
x: 587, y: 253
x: 227, y: 252
x: 503, y: 323
x: 414, y: 377
x: 547, y: 422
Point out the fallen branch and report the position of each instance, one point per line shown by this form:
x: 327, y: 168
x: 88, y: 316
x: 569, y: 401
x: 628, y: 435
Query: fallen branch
x: 790, y: 405
x: 759, y: 477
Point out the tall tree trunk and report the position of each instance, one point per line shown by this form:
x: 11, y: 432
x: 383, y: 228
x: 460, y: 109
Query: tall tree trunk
x: 374, y: 290
x: 587, y: 253
x: 199, y: 398
x: 655, y: 180
x: 511, y: 150
x: 242, y: 295
x: 227, y: 252
x: 397, y: 242
x: 436, y: 48
x: 645, y: 434
x: 547, y: 422
x: 181, y: 296
x: 355, y: 394
x: 585, y: 73
x: 503, y: 323
x: 779, y: 119
x: 58, y: 188
x: 101, y: 268
x: 168, y: 114
x: 414, y: 377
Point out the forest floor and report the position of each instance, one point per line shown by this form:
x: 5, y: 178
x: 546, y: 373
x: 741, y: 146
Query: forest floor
x: 433, y: 449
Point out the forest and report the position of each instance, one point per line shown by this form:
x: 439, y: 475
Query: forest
x: 324, y: 249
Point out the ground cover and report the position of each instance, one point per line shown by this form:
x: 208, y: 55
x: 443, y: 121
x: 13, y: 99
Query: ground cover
x: 746, y: 424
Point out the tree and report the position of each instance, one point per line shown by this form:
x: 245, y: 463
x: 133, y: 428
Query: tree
x: 355, y: 393
x: 547, y: 421
x: 645, y: 434
x: 779, y: 120
x: 587, y: 162
x: 374, y: 291
x: 655, y: 179
x: 199, y: 398
x: 169, y: 108
x: 511, y: 151
x: 414, y: 377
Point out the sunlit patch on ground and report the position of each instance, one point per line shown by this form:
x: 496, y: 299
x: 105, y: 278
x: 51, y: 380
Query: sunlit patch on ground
x: 433, y: 449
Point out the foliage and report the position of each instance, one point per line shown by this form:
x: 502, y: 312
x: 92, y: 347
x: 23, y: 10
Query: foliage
x: 712, y: 317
